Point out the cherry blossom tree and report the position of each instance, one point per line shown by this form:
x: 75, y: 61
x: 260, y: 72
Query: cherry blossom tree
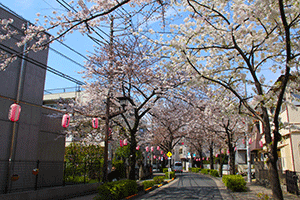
x: 228, y: 43
x: 170, y: 123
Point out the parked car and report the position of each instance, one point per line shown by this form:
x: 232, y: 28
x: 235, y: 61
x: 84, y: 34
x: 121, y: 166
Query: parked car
x: 155, y: 167
x: 178, y: 167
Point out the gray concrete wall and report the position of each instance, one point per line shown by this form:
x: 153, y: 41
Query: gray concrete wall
x: 37, y: 130
x: 54, y: 193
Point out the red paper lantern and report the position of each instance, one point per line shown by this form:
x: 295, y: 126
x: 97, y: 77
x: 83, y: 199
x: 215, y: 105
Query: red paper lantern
x: 227, y: 151
x: 182, y: 143
x: 207, y: 158
x: 250, y: 141
x: 203, y: 158
x: 154, y: 156
x: 125, y: 142
x: 14, y: 112
x: 157, y: 148
x: 137, y: 148
x: 222, y: 152
x: 161, y: 152
x: 235, y: 148
x: 261, y: 143
x: 152, y: 148
x: 147, y: 149
x: 95, y: 123
x: 65, y: 120
x: 121, y: 143
x: 243, y: 141
x: 217, y: 155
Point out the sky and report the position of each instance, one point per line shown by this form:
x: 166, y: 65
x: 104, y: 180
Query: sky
x: 82, y: 44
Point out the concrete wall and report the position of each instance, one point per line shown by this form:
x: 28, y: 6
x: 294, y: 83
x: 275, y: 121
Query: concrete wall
x: 38, y: 128
x: 53, y: 193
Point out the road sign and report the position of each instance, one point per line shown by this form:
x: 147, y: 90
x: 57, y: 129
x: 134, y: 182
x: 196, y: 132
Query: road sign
x: 169, y: 154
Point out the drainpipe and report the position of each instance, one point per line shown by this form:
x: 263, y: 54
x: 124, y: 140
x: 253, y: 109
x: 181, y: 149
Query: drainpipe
x: 15, y: 128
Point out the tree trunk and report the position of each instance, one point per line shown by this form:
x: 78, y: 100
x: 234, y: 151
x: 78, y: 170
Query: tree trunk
x: 132, y: 158
x: 211, y: 155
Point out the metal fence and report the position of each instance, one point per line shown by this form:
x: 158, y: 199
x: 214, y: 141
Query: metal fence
x: 34, y: 175
x: 292, y: 181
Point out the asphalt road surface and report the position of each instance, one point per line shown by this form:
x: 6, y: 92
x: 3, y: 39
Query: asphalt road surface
x: 187, y: 186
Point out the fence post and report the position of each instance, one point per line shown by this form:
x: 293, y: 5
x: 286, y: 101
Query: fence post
x: 37, y: 175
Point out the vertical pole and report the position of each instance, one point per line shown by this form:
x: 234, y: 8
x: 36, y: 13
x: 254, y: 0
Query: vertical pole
x: 248, y: 158
x: 64, y: 178
x: 15, y: 128
x: 37, y: 176
x: 105, y: 165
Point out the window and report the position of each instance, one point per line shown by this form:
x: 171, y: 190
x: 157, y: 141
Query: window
x: 180, y: 151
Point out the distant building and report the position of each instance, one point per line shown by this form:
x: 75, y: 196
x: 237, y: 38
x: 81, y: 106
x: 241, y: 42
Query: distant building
x: 36, y: 134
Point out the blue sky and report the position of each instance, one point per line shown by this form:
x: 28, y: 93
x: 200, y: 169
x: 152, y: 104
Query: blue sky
x: 28, y: 9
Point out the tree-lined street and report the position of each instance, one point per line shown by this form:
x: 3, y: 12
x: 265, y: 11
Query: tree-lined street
x: 188, y: 186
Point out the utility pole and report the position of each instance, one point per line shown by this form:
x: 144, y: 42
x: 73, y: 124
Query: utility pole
x: 107, y: 114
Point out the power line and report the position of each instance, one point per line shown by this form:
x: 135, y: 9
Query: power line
x: 41, y: 65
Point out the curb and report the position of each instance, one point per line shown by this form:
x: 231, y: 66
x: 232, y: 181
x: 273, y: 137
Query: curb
x: 150, y: 190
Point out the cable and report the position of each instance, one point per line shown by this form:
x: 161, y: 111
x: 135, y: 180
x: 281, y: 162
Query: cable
x: 41, y: 65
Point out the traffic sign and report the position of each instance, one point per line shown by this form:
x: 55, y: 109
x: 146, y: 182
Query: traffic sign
x: 169, y: 154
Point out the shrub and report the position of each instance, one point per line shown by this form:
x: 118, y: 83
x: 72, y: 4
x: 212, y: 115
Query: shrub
x: 117, y: 190
x: 148, y: 184
x: 158, y: 179
x: 77, y: 179
x: 214, y: 173
x: 205, y: 171
x: 165, y: 170
x: 195, y: 169
x: 236, y: 183
x: 172, y: 175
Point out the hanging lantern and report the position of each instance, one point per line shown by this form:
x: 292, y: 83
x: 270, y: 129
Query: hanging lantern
x: 182, y: 143
x: 243, y: 141
x: 147, y: 149
x: 154, y: 157
x: 95, y: 123
x: 203, y: 158
x: 137, y: 148
x: 194, y: 158
x: 234, y: 148
x: 217, y: 155
x: 14, y: 112
x: 65, y: 120
x: 158, y: 157
x: 207, y: 158
x: 161, y: 152
x: 125, y: 142
x: 121, y: 143
x: 250, y: 141
x: 261, y: 143
x: 157, y: 148
x: 227, y: 151
x: 152, y: 148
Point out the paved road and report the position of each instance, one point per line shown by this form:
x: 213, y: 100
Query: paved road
x: 187, y: 186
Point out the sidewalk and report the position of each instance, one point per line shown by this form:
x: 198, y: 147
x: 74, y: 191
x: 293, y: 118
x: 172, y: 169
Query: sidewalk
x: 252, y: 193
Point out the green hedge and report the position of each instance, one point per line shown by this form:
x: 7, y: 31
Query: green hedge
x: 194, y: 169
x: 172, y: 175
x: 148, y: 184
x: 236, y: 183
x: 116, y: 190
x: 165, y: 170
x: 158, y: 179
x: 214, y: 173
x: 205, y: 171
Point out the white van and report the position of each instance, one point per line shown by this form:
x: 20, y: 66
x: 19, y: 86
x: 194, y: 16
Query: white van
x: 178, y: 167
